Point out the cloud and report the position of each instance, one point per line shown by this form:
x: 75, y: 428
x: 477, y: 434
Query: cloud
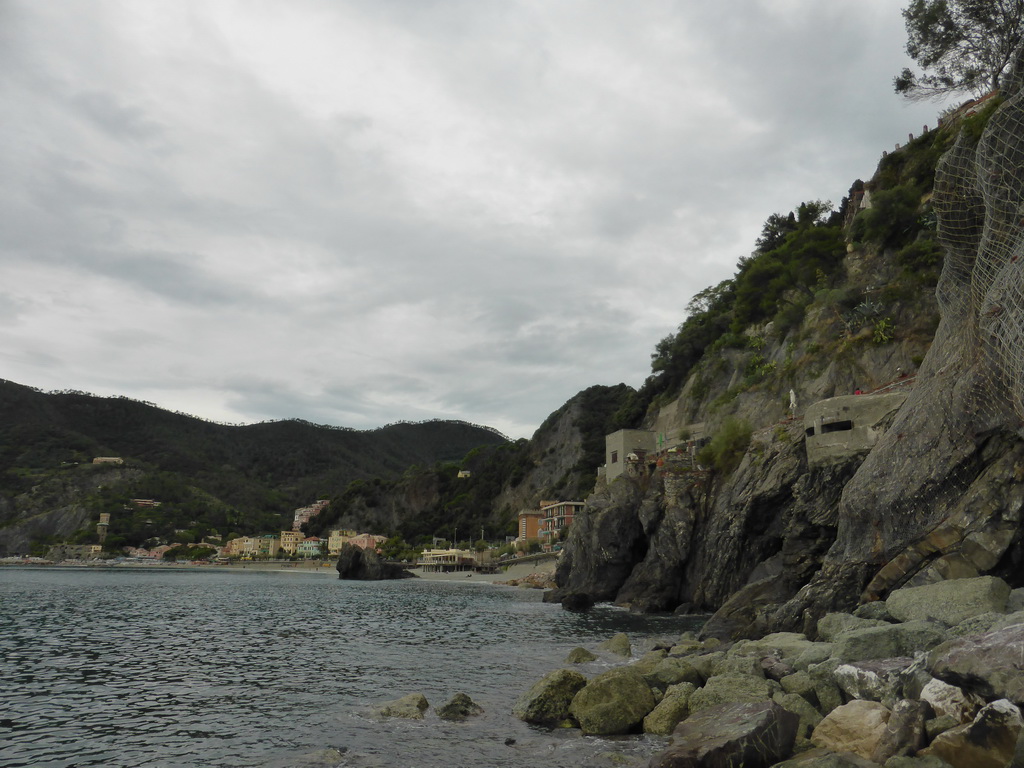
x: 365, y: 211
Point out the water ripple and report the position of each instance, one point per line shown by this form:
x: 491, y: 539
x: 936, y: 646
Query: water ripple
x: 181, y: 668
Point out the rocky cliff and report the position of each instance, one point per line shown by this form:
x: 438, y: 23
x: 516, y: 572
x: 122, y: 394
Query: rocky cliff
x: 776, y: 542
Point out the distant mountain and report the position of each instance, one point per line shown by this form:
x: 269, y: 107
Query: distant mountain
x: 208, y: 476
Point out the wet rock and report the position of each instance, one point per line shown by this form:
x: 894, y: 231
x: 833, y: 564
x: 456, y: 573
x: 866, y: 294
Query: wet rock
x: 577, y: 602
x: 671, y: 710
x: 987, y: 742
x: 410, y: 707
x: 614, y: 702
x: 752, y: 734
x: 547, y: 701
x: 725, y: 689
x: 989, y: 664
x: 856, y: 727
x: 950, y: 602
x: 617, y: 644
x: 358, y: 564
x: 459, y: 708
x: 580, y: 656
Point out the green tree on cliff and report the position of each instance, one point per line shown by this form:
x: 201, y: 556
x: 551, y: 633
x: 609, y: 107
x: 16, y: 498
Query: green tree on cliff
x: 961, y: 45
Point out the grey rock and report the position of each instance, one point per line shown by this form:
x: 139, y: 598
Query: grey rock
x: 614, y: 702
x: 727, y: 689
x: 940, y: 724
x: 672, y: 671
x: 990, y: 741
x: 927, y: 761
x: 833, y: 625
x: 904, y: 732
x: 459, y: 707
x: 876, y: 610
x: 950, y: 602
x: 738, y: 665
x: 857, y: 727
x: 705, y: 663
x: 877, y: 679
x: 801, y: 684
x: 618, y: 644
x: 799, y: 706
x: 815, y: 653
x: 1015, y: 602
x: 989, y: 664
x: 547, y: 701
x: 825, y: 758
x: 580, y: 655
x: 670, y: 711
x: 752, y: 734
x: 888, y: 641
x: 358, y: 564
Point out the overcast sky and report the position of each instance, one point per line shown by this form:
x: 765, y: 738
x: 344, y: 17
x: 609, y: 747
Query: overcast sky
x: 362, y: 211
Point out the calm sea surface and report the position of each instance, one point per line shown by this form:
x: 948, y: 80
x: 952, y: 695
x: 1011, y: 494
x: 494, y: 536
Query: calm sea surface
x: 118, y: 667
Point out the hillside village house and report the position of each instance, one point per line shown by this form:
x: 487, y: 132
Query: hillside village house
x: 546, y: 522
x: 336, y: 539
x: 303, y: 514
x: 639, y: 446
x: 290, y: 541
x: 309, y: 548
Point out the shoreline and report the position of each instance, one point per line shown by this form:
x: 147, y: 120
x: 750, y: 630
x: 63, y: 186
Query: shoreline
x: 312, y: 568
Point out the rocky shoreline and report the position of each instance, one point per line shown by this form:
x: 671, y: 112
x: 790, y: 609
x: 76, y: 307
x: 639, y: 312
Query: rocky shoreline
x: 929, y: 678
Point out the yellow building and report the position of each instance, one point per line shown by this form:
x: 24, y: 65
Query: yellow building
x: 336, y: 539
x: 290, y: 541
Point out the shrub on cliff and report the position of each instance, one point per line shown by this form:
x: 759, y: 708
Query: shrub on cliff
x: 727, y: 447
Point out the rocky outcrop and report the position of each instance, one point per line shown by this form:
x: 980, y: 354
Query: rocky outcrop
x: 410, y: 707
x: 358, y: 564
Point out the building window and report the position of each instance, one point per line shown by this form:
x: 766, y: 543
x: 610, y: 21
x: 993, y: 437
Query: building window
x: 836, y: 426
x: 615, y: 457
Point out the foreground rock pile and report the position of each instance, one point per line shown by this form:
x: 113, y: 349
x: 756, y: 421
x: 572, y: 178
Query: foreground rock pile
x: 932, y: 677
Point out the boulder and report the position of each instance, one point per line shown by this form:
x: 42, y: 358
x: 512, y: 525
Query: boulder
x: 832, y: 625
x: 725, y: 689
x: 705, y: 663
x: 672, y: 671
x: 614, y: 702
x: 358, y: 564
x: 459, y: 708
x: 801, y: 684
x: 856, y: 727
x: 410, y: 707
x: 617, y: 644
x: 577, y: 602
x: 580, y: 655
x: 787, y: 646
x: 989, y: 665
x: 875, y: 679
x: 825, y: 758
x: 946, y: 699
x: 987, y: 742
x: 815, y: 653
x: 876, y: 610
x: 904, y: 732
x: 799, y: 706
x: 671, y: 710
x: 774, y: 668
x: 888, y: 641
x: 752, y: 735
x: 738, y: 665
x: 547, y: 701
x: 919, y: 761
x: 950, y: 602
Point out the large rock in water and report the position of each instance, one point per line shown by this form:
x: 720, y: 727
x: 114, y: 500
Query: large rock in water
x: 752, y: 735
x: 614, y: 702
x: 547, y: 701
x: 358, y: 564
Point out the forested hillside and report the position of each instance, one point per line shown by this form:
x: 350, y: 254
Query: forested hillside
x: 240, y: 479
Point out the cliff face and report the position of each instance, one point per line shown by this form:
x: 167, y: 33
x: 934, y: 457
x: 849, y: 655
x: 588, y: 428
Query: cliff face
x: 776, y: 543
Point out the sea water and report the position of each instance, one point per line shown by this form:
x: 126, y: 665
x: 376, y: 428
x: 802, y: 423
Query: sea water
x: 178, y: 668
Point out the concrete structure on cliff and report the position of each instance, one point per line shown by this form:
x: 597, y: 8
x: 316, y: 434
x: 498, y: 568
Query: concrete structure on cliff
x: 842, y: 427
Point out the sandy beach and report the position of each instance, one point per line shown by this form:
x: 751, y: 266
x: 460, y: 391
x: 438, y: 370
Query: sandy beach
x: 516, y: 570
